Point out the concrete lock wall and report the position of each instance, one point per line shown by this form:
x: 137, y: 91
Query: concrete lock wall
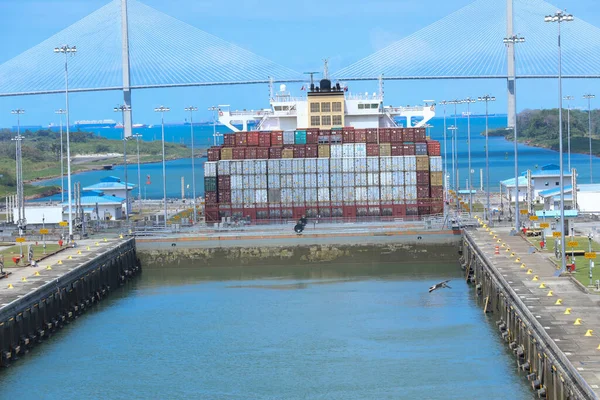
x: 35, y: 316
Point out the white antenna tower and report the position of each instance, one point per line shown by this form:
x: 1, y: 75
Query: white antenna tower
x: 381, y: 86
x: 326, y: 68
x: 271, y: 88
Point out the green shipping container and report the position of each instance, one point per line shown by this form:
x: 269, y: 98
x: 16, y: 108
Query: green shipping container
x: 300, y: 137
x: 210, y: 184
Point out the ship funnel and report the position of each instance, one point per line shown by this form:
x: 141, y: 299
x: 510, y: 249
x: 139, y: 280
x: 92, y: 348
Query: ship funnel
x: 325, y: 85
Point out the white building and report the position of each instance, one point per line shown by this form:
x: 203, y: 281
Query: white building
x: 544, y: 179
x: 40, y: 214
x: 588, y: 198
x: 97, y: 206
x: 112, y: 186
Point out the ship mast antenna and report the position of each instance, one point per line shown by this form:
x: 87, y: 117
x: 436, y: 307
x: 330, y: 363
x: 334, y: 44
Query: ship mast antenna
x: 326, y: 68
x: 271, y: 88
x: 311, y: 73
x: 381, y: 86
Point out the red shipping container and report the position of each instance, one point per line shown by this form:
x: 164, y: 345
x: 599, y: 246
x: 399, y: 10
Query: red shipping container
x: 409, y: 149
x: 264, y: 139
x: 422, y: 192
x: 241, y: 139
x: 360, y: 136
x: 399, y: 210
x: 277, y: 138
x: 312, y: 151
x: 408, y: 134
x: 299, y: 151
x: 437, y: 192
x: 239, y: 153
x: 224, y: 196
x: 385, y: 135
x: 214, y: 154
x: 275, y: 152
x: 224, y: 182
x: 251, y: 153
x: 372, y: 150
x: 211, y: 214
x: 424, y: 210
x: 347, y: 136
x: 229, y: 140
x: 396, y: 135
x: 324, y: 132
x: 423, y: 178
x: 262, y: 153
x: 210, y: 198
x: 252, y: 138
x: 312, y: 137
x: 433, y: 148
x: 397, y: 150
x: 412, y: 209
x: 437, y: 207
x: 420, y: 134
x: 311, y: 129
x: 323, y: 139
x: 371, y: 135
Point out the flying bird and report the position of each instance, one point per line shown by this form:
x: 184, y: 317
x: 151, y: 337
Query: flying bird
x: 440, y: 285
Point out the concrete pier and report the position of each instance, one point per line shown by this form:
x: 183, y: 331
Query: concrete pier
x: 36, y: 301
x: 550, y: 323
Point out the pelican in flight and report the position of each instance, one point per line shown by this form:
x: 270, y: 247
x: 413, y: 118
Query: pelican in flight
x: 440, y: 285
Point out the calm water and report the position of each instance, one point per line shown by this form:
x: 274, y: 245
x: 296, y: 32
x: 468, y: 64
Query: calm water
x: 501, y: 158
x: 277, y: 333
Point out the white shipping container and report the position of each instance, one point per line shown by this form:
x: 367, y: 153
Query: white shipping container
x: 323, y: 165
x: 224, y: 167
x: 288, y: 137
x: 310, y: 165
x: 435, y: 163
x: 360, y: 150
x: 248, y: 167
x: 360, y: 164
x: 237, y: 182
x: 336, y: 151
x: 360, y: 193
x: 373, y: 179
x: 337, y: 180
x: 386, y: 179
x: 287, y: 196
x: 410, y: 193
x: 322, y: 180
x: 385, y: 164
x: 210, y: 169
x: 348, y: 179
x: 298, y: 195
x: 323, y: 195
x: 397, y: 163
x: 336, y: 165
x: 387, y: 193
x: 260, y: 196
x: 260, y: 182
x: 398, y: 193
x: 373, y: 193
x: 236, y: 168
x: 372, y: 164
x: 410, y: 163
x: 286, y: 166
x: 237, y: 196
x: 287, y: 180
x: 348, y: 150
x: 360, y: 179
x: 310, y: 195
x: 398, y: 178
x: 348, y: 165
x: 349, y: 194
x: 310, y: 180
x: 298, y: 180
x: 273, y: 167
x: 248, y: 196
x: 260, y: 167
x: 337, y: 194
x: 248, y: 181
x: 410, y: 178
x: 274, y: 181
x: 298, y: 166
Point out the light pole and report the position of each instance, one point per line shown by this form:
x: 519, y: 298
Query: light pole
x: 122, y: 109
x: 444, y: 102
x: 590, y: 238
x: 62, y: 169
x: 456, y: 183
x: 589, y: 98
x: 559, y: 17
x: 469, y: 101
x: 22, y: 221
x: 191, y: 109
x: 137, y: 137
x: 512, y: 41
x: 487, y: 98
x: 454, y: 131
x: 569, y: 98
x: 163, y: 110
x: 66, y: 50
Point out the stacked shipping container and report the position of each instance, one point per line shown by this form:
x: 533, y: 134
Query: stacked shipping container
x: 389, y: 172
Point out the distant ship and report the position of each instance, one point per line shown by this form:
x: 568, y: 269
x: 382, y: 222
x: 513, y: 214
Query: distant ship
x: 120, y: 126
x: 101, y: 123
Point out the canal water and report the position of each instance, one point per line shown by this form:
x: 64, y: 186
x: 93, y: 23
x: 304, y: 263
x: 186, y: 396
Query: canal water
x: 325, y: 332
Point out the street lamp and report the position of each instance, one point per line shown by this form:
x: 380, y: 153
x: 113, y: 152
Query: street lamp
x: 137, y: 137
x: 191, y: 109
x: 456, y: 183
x: 569, y: 98
x: 163, y: 110
x: 66, y: 50
x: 19, y: 177
x: 62, y: 169
x: 559, y: 17
x: 122, y: 109
x: 487, y: 98
x: 469, y: 101
x: 454, y: 131
x: 511, y: 41
x: 444, y: 103
x: 589, y: 98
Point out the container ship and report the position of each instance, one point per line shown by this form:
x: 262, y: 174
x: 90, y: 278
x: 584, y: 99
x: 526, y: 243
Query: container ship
x: 330, y: 155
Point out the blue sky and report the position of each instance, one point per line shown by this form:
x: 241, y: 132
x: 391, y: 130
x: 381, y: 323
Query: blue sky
x: 294, y: 34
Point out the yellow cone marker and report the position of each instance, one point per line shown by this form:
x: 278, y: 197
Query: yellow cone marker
x: 78, y: 251
x: 542, y: 286
x: 589, y: 332
x: 523, y: 265
x: 535, y: 278
x: 88, y: 248
x: 59, y: 262
x: 10, y: 286
x: 48, y: 267
x: 120, y: 236
x: 529, y: 272
x: 518, y: 260
x: 507, y: 249
x: 598, y: 348
x: 558, y: 302
x: 503, y: 245
x: 105, y: 239
x: 97, y: 244
x: 512, y: 254
x: 499, y: 240
x: 577, y: 321
x: 567, y: 311
x: 37, y: 273
x: 69, y: 258
x: 23, y: 279
x: 550, y: 293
